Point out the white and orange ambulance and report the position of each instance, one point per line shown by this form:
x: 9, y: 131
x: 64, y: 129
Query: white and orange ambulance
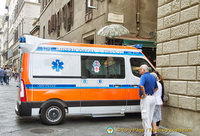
x: 59, y: 78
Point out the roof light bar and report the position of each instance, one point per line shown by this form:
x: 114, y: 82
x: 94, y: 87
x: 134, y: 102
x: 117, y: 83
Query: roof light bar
x: 22, y: 39
x: 138, y: 46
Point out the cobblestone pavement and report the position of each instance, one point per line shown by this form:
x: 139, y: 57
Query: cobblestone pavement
x: 12, y: 125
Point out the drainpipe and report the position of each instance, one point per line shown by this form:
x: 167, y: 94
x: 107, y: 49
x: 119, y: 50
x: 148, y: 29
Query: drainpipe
x: 107, y: 10
x: 138, y: 17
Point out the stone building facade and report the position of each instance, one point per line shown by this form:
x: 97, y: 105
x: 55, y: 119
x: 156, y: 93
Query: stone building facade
x: 1, y: 40
x: 178, y: 60
x: 4, y: 40
x: 77, y: 21
x: 22, y: 14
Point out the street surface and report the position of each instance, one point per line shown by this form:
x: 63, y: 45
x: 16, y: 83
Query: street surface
x: 12, y: 125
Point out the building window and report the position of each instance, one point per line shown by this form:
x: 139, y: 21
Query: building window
x: 58, y: 23
x: 17, y: 8
x: 102, y: 67
x: 52, y: 24
x: 64, y: 12
x: 44, y: 3
x: 20, y: 33
x: 89, y: 39
x: 70, y: 15
x: 16, y: 35
x: 43, y: 32
x: 49, y: 26
x: 15, y: 52
x: 89, y: 12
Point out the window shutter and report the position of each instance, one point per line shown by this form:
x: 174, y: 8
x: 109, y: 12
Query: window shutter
x: 45, y: 3
x: 72, y: 12
x: 65, y: 16
x: 49, y: 26
x: 52, y: 23
x: 59, y: 18
x: 42, y: 4
x: 54, y: 20
x: 89, y: 12
x: 86, y: 7
x: 58, y: 23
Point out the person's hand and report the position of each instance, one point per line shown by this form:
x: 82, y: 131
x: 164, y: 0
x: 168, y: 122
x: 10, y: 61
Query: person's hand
x: 143, y: 96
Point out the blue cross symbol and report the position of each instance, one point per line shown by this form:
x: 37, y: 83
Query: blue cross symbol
x: 57, y: 65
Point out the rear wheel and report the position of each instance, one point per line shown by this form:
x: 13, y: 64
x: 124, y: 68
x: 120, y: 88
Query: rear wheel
x: 52, y: 114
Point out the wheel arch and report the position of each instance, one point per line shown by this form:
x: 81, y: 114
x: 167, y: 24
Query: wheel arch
x: 55, y: 100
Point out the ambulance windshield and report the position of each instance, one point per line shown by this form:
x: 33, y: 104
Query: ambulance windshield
x: 136, y: 63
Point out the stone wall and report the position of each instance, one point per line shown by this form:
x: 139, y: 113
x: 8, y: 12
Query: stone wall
x: 178, y: 60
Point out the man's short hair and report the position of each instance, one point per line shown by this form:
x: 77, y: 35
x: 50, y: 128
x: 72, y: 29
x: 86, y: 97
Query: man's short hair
x: 145, y: 67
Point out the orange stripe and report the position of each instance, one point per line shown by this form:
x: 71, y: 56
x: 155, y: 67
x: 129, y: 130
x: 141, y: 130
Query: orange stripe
x: 28, y: 95
x: 83, y: 94
x: 133, y: 94
x: 103, y: 94
x: 25, y: 66
x: 46, y: 94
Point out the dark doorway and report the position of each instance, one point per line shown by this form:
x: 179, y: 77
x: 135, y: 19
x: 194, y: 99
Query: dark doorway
x: 150, y: 53
x: 89, y: 39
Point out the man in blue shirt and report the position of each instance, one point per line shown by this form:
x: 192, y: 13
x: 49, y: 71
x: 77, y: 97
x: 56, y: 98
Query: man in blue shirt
x: 147, y: 86
x: 1, y: 75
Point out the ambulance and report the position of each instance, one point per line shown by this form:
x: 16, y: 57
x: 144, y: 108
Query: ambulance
x: 60, y: 78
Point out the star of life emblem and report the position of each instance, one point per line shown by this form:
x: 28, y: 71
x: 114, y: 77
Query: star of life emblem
x: 57, y: 65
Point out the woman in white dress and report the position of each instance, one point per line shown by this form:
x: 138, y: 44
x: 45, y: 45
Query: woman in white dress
x: 157, y: 112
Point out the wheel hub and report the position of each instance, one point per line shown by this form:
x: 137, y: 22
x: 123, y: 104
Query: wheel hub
x: 53, y: 113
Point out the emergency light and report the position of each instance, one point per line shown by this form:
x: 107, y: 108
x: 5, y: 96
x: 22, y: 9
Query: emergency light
x: 138, y: 46
x: 22, y: 39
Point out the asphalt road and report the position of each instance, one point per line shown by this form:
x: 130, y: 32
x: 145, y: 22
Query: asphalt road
x: 12, y: 125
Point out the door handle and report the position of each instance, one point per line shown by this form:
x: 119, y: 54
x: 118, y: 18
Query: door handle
x: 117, y: 85
x: 135, y: 85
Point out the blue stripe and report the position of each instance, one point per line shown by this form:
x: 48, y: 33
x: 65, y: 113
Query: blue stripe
x: 54, y: 49
x: 124, y: 86
x: 35, y: 86
x: 51, y: 86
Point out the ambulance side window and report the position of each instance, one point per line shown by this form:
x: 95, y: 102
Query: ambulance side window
x: 102, y: 67
x: 136, y: 63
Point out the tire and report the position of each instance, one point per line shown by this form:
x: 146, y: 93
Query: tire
x: 52, y: 113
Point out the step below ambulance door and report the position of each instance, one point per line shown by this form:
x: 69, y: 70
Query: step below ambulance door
x: 103, y: 80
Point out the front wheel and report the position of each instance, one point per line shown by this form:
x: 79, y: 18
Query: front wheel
x: 52, y: 114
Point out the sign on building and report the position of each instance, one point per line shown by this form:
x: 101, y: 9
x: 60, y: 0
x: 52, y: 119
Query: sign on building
x: 115, y: 18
